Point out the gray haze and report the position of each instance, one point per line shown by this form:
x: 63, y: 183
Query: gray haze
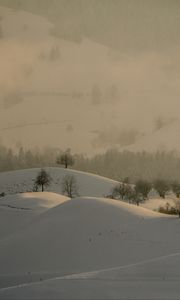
x: 90, y: 74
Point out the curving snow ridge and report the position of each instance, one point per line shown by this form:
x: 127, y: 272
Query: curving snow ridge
x: 36, y: 201
x: 19, y: 210
x: 128, y: 208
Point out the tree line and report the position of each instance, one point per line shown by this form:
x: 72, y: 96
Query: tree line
x: 113, y: 164
x: 118, y: 165
x: 33, y: 158
x: 140, y: 191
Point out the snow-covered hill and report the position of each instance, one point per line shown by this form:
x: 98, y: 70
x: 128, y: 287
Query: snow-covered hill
x: 45, y: 238
x: 70, y: 237
x: 20, y: 205
x: 94, y: 239
x: 23, y: 180
x: 19, y: 210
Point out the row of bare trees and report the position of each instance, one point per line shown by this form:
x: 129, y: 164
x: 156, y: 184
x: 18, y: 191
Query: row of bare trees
x: 136, y: 193
x: 140, y: 190
x: 132, y: 193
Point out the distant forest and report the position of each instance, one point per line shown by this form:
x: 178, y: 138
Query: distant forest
x: 112, y: 164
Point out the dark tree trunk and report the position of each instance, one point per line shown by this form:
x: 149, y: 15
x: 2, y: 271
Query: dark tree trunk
x: 42, y: 188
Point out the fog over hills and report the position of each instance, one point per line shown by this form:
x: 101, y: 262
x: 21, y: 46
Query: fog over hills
x: 101, y: 72
x: 91, y: 85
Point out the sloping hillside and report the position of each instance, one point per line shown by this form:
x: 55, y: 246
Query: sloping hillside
x: 53, y: 74
x: 19, y: 210
x: 20, y: 205
x: 23, y: 180
x: 164, y: 139
x: 85, y: 234
x: 65, y: 84
x: 71, y: 246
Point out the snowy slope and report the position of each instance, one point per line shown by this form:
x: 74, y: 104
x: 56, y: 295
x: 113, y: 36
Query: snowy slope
x: 23, y: 180
x: 19, y: 210
x: 155, y: 203
x: 32, y: 201
x: 87, y: 247
x: 86, y: 235
x: 155, y: 279
x: 78, y: 231
x: 19, y: 207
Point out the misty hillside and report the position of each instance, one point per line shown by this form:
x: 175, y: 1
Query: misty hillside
x: 60, y: 90
x: 103, y: 21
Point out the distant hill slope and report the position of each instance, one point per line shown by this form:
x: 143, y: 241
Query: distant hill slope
x: 164, y: 139
x: 65, y: 83
x: 104, y: 21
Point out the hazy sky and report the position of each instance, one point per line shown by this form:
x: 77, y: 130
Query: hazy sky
x: 90, y: 74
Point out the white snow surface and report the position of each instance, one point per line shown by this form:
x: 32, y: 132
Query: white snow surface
x: 88, y: 247
x: 32, y: 201
x: 18, y: 210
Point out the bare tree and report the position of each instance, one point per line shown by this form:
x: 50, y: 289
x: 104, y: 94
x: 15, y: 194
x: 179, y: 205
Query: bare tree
x: 66, y: 158
x: 143, y: 187
x: 69, y: 186
x: 121, y: 190
x: 43, y: 179
x: 135, y: 197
